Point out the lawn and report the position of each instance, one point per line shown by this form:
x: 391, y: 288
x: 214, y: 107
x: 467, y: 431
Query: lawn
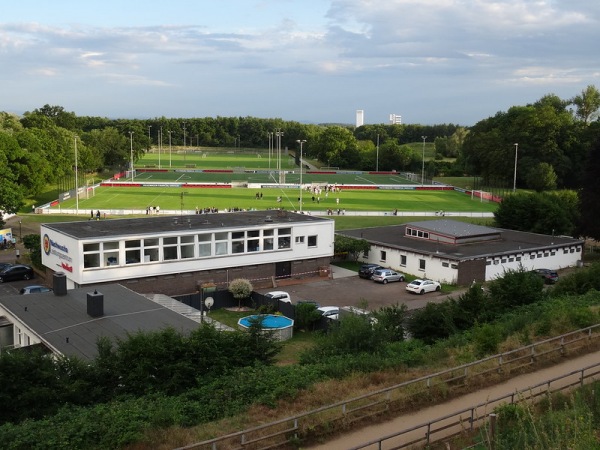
x: 186, y: 199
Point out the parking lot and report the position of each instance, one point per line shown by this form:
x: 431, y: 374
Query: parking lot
x: 348, y: 289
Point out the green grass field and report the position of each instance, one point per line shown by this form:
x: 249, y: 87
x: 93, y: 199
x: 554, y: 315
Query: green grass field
x: 247, y: 177
x: 138, y: 198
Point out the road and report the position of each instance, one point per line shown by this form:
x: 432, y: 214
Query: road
x: 403, y: 422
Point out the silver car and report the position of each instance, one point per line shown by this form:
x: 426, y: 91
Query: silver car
x: 386, y: 275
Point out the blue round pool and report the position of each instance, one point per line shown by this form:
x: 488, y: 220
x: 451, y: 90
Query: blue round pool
x: 281, y: 326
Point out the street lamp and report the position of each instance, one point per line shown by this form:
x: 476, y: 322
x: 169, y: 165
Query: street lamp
x: 423, y: 163
x: 76, y: 181
x: 278, y: 135
x: 170, y: 148
x: 377, y: 158
x: 515, y: 176
x: 301, y: 141
x: 20, y: 232
x: 149, y: 137
x: 184, y: 141
x: 159, y: 145
x: 131, y: 150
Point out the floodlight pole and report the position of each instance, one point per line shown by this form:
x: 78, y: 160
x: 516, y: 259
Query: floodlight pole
x: 423, y: 161
x: 301, y: 141
x: 377, y: 158
x: 76, y: 180
x: 131, y: 150
x: 170, y: 149
x: 515, y: 176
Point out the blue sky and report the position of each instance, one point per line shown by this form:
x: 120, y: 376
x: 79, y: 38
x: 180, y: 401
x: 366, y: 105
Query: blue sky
x: 430, y: 61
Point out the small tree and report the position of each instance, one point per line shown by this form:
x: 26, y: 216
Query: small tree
x: 241, y: 289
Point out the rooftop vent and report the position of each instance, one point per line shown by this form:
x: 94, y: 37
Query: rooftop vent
x: 95, y: 304
x: 268, y: 219
x: 59, y: 283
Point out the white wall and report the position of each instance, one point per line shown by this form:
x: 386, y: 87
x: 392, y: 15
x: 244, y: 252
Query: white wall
x: 64, y: 252
x: 435, y: 270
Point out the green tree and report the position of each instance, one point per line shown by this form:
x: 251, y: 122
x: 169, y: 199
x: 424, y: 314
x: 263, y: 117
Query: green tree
x: 587, y: 104
x: 351, y: 246
x: 241, y: 289
x: 306, y: 315
x: 391, y: 321
x: 545, y: 213
x: 541, y: 177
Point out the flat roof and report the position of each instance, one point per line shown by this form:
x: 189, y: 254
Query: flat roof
x: 63, y: 323
x: 509, y: 242
x: 104, y: 228
x: 454, y: 228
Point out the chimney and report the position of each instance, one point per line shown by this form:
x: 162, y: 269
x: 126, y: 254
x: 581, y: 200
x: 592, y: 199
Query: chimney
x: 59, y: 283
x: 95, y: 304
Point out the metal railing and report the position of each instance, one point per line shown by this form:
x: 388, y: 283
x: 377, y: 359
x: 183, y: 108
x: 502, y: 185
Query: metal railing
x: 468, y: 419
x: 342, y: 414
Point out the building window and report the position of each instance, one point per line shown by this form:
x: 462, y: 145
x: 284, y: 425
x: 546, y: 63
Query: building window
x: 151, y: 250
x: 284, y: 238
x: 186, y: 247
x: 170, y: 248
x: 299, y: 239
x: 91, y: 255
x: 403, y: 260
x: 110, y: 254
x: 221, y: 243
x: 454, y: 266
x: 204, y: 245
x: 312, y: 241
x: 445, y: 264
x: 503, y: 260
x: 133, y: 251
x: 511, y: 259
x: 382, y: 255
x: 268, y: 242
x: 421, y: 264
x: 518, y: 258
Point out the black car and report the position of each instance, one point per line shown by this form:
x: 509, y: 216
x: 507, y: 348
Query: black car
x: 16, y: 272
x: 366, y: 270
x: 549, y: 276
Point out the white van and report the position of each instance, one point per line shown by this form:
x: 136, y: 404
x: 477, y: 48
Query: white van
x: 282, y: 296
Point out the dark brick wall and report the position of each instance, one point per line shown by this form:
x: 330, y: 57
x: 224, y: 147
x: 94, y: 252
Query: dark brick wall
x: 468, y: 271
x: 261, y: 276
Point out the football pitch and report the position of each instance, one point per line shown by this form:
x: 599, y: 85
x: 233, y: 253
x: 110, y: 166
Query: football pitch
x: 223, y: 167
x: 187, y: 199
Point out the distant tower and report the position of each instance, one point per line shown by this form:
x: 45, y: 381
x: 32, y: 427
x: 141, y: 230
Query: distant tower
x: 395, y: 119
x: 360, y: 117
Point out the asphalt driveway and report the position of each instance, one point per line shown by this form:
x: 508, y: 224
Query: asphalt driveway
x: 348, y: 289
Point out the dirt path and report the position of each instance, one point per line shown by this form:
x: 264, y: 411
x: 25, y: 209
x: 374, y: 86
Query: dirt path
x: 404, y: 422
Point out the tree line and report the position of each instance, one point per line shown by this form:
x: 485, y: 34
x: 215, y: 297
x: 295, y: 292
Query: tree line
x: 544, y: 145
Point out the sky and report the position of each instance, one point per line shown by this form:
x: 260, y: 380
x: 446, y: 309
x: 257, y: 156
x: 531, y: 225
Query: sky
x: 311, y: 61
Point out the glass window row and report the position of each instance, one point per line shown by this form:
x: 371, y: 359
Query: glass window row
x: 171, y: 248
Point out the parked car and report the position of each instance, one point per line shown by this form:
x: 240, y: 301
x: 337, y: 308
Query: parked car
x: 282, y: 296
x: 34, y: 289
x: 549, y: 276
x: 4, y: 265
x: 421, y: 286
x: 331, y: 312
x: 16, y: 272
x: 366, y: 270
x: 386, y: 275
